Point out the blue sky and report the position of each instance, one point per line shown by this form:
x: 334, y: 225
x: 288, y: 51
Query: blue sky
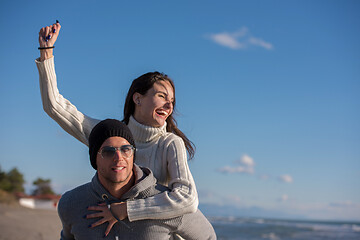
x: 267, y: 90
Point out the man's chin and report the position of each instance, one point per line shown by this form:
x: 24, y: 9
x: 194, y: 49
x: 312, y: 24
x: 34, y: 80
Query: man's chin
x: 119, y: 180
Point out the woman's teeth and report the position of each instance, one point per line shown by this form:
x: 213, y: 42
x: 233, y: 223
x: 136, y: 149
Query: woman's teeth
x: 163, y: 113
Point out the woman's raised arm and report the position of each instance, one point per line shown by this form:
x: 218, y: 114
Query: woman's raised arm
x: 55, y: 105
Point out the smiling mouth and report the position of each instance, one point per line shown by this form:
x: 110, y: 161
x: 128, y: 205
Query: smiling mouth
x: 118, y: 168
x: 162, y: 113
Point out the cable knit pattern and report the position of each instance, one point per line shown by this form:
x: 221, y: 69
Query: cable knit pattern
x: 145, y: 134
x: 59, y: 108
x: 163, y: 152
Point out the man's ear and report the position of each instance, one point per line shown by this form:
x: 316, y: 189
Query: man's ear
x: 137, y: 98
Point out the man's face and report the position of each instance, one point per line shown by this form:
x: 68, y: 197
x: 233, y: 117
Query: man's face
x: 116, y: 170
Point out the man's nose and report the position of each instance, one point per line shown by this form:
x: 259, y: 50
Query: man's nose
x: 118, y: 156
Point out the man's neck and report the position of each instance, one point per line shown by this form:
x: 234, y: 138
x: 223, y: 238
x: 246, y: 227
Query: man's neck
x: 119, y: 189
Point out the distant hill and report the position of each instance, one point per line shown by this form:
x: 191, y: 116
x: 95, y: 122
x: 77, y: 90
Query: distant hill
x: 213, y: 210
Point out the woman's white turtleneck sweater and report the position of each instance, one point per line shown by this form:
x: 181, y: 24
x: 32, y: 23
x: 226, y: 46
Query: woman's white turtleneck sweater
x: 163, y: 152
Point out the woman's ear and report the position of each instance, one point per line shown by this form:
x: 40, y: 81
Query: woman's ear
x: 137, y: 98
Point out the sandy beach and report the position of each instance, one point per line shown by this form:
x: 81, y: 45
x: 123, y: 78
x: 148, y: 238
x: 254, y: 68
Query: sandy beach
x: 18, y: 223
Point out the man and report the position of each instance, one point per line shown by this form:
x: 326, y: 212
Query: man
x: 112, y: 153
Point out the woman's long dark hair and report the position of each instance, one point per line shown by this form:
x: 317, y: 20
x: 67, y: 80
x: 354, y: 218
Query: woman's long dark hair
x: 141, y: 85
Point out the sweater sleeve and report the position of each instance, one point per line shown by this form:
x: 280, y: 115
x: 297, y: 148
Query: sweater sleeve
x: 59, y: 108
x: 195, y: 226
x: 180, y: 200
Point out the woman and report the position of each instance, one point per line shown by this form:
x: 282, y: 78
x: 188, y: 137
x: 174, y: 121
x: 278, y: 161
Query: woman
x: 148, y: 112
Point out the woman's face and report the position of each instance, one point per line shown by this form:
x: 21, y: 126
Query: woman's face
x: 153, y: 108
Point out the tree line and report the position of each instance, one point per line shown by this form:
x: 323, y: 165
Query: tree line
x: 13, y: 182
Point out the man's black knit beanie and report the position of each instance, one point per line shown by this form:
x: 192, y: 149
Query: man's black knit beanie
x: 102, y: 131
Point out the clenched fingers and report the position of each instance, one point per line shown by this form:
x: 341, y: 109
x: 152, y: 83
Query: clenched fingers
x: 49, y: 34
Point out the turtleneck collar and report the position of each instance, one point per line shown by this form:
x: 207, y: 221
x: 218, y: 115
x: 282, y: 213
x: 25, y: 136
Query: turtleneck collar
x: 144, y: 134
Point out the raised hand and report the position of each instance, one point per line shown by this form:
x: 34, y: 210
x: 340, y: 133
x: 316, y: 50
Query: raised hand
x: 47, y: 38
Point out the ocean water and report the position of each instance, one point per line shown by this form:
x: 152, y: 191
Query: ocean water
x: 231, y: 228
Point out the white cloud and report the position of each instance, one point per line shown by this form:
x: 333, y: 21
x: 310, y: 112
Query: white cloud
x: 244, y: 165
x: 286, y: 178
x: 261, y: 43
x: 240, y: 39
x: 233, y: 199
x: 247, y: 161
x: 226, y: 40
x: 284, y: 198
x: 237, y: 169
